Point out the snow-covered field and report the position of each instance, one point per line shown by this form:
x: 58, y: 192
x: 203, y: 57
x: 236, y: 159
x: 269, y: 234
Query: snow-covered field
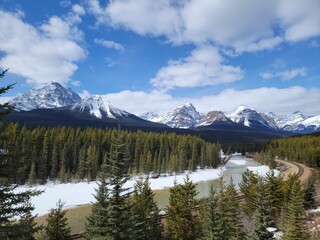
x: 80, y: 193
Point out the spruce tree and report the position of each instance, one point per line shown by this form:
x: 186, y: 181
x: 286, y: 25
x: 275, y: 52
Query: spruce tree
x: 296, y: 225
x: 28, y: 225
x: 233, y: 215
x: 12, y: 205
x: 57, y: 226
x: 211, y: 216
x: 183, y: 221
x: 147, y: 211
x: 248, y: 187
x: 262, y: 214
x: 113, y: 200
x: 98, y: 221
x: 309, y: 194
x: 228, y: 216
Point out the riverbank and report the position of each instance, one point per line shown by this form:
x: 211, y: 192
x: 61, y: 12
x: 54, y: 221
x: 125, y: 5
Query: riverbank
x: 81, y: 193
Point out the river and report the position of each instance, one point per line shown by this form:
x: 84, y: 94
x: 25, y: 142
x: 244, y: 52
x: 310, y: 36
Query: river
x: 234, y: 168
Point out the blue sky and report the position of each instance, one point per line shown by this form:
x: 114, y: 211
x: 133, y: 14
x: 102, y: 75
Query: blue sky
x: 145, y: 55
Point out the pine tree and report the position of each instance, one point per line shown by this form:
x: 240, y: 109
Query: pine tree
x: 183, y: 221
x: 225, y: 217
x: 98, y: 221
x: 233, y: 215
x: 296, y: 228
x: 147, y: 211
x: 32, y: 174
x: 120, y: 214
x: 248, y: 187
x: 211, y: 216
x: 13, y: 205
x: 28, y: 225
x: 309, y: 194
x: 262, y: 214
x: 57, y: 226
x: 119, y: 222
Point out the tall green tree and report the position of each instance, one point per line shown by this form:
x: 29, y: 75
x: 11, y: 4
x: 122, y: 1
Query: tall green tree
x: 98, y: 222
x: 57, y: 224
x: 13, y: 205
x: 248, y: 187
x: 309, y: 194
x: 183, y: 221
x: 147, y: 211
x: 211, y: 216
x: 296, y: 225
x: 263, y: 213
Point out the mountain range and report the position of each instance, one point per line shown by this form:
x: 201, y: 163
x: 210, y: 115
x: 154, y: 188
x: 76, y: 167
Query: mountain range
x: 53, y: 105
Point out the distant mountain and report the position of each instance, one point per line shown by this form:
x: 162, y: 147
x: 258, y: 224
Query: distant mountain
x: 53, y: 105
x: 94, y: 105
x: 213, y: 117
x: 52, y: 95
x: 181, y: 117
x: 149, y: 115
x: 250, y: 118
x: 297, y: 122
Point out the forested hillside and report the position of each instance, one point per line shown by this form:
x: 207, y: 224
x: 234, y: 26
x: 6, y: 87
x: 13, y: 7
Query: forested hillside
x: 303, y: 149
x: 66, y: 153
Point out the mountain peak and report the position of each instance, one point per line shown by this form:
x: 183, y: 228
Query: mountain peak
x: 183, y: 116
x: 51, y: 95
x: 242, y: 107
x: 95, y: 105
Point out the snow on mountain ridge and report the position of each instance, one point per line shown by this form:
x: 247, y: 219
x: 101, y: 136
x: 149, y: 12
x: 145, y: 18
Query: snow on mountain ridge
x: 97, y: 107
x: 211, y: 117
x: 247, y: 116
x: 183, y: 116
x: 51, y: 95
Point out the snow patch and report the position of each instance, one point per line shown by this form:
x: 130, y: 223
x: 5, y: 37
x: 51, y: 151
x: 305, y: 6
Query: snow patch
x: 74, y: 194
x: 262, y: 170
x: 238, y: 161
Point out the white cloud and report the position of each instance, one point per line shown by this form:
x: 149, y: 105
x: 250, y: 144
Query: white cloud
x: 300, y: 19
x: 280, y: 101
x: 109, y: 44
x: 247, y: 25
x: 78, y: 9
x: 286, y: 74
x: 44, y: 54
x: 203, y: 67
x: 76, y: 83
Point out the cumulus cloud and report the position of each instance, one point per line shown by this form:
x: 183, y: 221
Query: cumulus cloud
x: 44, y: 54
x: 248, y: 25
x: 278, y: 100
x: 203, y: 67
x: 286, y: 74
x: 109, y: 44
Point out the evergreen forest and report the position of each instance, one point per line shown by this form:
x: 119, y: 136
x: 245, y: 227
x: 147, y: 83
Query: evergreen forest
x: 65, y: 153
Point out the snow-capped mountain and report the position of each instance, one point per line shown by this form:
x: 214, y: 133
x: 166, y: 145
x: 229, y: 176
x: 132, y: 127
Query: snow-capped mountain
x: 212, y: 118
x: 149, y: 115
x: 249, y: 118
x: 182, y: 117
x: 312, y: 123
x: 51, y: 95
x: 296, y: 122
x: 96, y: 106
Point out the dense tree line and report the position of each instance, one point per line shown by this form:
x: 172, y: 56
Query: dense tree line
x: 303, y: 149
x: 66, y: 153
